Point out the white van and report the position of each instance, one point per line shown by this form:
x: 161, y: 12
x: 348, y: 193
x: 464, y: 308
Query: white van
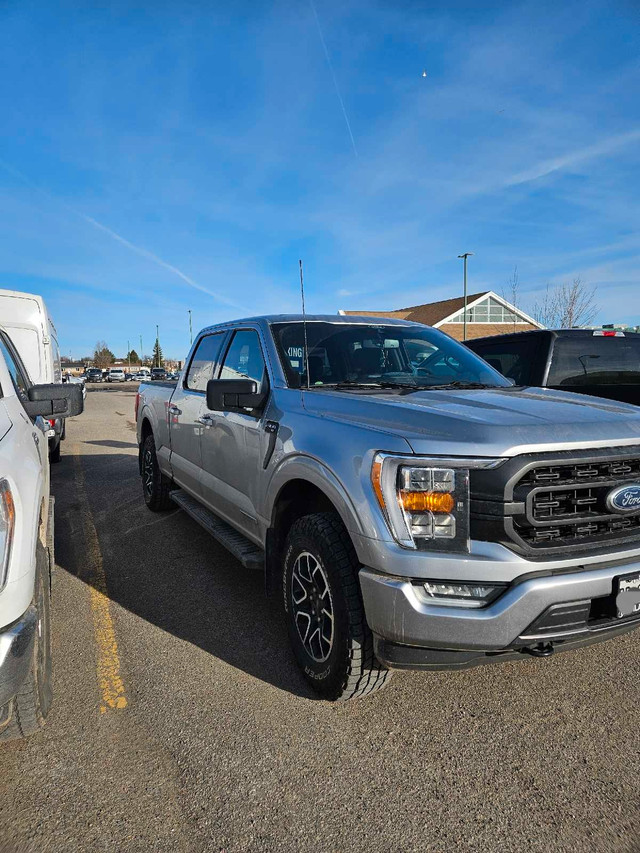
x: 26, y: 320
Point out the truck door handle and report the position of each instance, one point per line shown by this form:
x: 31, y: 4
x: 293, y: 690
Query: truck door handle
x: 174, y: 410
x: 205, y: 420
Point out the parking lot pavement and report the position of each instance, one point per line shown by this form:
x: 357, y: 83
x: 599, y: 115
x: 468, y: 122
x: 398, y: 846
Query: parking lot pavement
x: 181, y: 723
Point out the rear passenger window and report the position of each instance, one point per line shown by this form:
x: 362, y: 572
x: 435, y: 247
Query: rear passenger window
x: 203, y: 362
x: 514, y: 359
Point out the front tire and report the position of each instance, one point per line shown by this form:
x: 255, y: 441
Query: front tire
x: 27, y: 711
x: 331, y: 640
x: 155, y: 486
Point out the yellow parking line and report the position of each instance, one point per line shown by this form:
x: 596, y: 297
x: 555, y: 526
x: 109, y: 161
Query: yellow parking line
x: 108, y: 660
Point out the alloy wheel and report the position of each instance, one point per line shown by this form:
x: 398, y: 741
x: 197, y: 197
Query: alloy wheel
x: 312, y: 606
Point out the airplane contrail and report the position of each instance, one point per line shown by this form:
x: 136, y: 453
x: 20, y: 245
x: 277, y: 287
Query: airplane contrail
x: 140, y: 250
x: 335, y: 81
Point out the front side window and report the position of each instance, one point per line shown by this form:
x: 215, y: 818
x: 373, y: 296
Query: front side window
x: 362, y: 354
x: 244, y: 359
x: 513, y: 358
x: 203, y: 362
x: 15, y: 369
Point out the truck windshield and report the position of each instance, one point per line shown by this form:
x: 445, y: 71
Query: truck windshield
x: 357, y: 354
x: 595, y: 360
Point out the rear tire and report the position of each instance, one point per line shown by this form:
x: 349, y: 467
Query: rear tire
x: 27, y: 711
x: 155, y: 486
x: 54, y: 455
x: 331, y: 640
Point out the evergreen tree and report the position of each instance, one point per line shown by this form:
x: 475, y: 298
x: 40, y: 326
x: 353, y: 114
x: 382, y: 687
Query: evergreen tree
x: 133, y: 357
x: 158, y: 358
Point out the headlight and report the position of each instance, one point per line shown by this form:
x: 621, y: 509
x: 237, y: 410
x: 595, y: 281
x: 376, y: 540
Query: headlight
x: 426, y: 501
x: 7, y: 523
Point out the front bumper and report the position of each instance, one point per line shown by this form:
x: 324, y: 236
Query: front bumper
x: 535, y: 615
x: 16, y: 648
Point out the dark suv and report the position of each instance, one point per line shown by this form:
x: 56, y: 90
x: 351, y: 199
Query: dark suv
x: 158, y: 373
x: 94, y: 374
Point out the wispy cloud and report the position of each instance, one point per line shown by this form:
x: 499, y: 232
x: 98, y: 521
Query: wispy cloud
x: 140, y: 250
x: 333, y: 75
x: 573, y: 158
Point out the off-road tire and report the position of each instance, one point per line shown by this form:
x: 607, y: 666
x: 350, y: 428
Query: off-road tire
x: 350, y: 669
x: 27, y: 711
x: 155, y: 486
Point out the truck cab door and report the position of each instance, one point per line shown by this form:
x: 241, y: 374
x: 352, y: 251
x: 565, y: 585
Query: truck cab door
x: 185, y: 409
x: 233, y: 443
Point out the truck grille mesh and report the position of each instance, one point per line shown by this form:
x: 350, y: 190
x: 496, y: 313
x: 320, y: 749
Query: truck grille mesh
x: 565, y: 503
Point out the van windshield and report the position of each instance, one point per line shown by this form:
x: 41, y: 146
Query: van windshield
x: 358, y: 354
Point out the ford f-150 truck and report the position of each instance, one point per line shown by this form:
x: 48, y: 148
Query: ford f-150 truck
x: 26, y: 540
x: 410, y: 506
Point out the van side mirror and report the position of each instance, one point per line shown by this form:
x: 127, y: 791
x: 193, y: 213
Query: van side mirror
x: 230, y: 395
x: 55, y: 400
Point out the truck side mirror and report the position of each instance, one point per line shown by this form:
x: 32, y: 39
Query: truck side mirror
x: 229, y: 395
x: 54, y: 401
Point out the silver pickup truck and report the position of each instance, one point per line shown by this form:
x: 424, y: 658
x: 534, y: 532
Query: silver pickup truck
x: 411, y: 507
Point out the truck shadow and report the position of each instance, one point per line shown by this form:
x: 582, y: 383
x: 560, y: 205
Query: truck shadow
x: 168, y: 571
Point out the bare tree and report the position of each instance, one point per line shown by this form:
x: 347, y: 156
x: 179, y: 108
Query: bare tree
x: 566, y: 305
x: 102, y: 356
x: 511, y: 293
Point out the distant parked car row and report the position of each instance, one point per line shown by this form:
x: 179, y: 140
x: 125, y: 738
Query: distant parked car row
x: 118, y: 374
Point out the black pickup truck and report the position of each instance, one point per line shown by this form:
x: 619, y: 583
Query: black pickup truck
x: 599, y: 362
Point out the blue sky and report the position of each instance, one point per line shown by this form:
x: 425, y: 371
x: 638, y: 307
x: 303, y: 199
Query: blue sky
x: 166, y: 156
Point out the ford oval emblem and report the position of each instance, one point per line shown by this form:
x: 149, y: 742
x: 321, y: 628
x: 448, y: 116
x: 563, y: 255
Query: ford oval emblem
x: 624, y: 499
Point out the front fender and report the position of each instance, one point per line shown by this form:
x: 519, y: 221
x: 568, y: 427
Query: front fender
x: 303, y: 467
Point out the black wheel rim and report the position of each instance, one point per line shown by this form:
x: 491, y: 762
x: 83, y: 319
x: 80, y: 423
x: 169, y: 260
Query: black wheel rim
x: 312, y: 606
x: 147, y: 472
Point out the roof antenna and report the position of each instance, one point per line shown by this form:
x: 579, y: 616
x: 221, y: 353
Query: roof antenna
x: 304, y: 323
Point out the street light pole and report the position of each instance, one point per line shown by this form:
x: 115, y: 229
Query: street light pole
x: 141, y: 351
x: 190, y: 329
x: 157, y: 347
x: 464, y: 321
x: 129, y: 354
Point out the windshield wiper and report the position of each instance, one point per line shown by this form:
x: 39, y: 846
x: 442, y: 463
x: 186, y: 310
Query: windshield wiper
x: 349, y: 384
x: 457, y: 383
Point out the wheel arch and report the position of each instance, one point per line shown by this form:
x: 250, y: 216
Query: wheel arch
x: 305, y: 491
x: 145, y: 430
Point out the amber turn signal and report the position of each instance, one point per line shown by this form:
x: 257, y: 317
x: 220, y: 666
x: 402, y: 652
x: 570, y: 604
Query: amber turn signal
x: 427, y: 501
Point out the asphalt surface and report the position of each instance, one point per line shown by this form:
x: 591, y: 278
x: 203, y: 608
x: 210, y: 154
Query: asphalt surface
x: 222, y: 747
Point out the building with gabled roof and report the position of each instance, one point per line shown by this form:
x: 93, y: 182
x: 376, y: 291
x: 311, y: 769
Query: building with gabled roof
x: 487, y: 314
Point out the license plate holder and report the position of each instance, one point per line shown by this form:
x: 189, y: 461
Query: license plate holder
x: 628, y: 595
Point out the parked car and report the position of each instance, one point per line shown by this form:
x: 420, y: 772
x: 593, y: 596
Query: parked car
x: 26, y: 541
x: 76, y: 380
x: 429, y: 516
x: 600, y: 362
x: 158, y: 373
x: 128, y: 376
x: 94, y: 374
x: 27, y: 320
x: 115, y: 374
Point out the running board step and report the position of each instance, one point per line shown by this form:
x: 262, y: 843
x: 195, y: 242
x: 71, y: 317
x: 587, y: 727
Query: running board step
x: 242, y: 549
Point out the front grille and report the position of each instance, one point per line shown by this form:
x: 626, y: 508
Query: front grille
x: 580, y: 472
x: 555, y: 503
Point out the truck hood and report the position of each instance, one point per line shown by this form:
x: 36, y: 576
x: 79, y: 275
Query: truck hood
x: 485, y: 422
